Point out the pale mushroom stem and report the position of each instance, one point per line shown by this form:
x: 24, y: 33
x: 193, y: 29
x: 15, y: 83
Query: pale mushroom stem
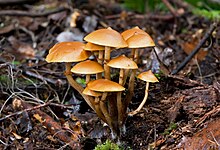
x: 97, y: 109
x: 100, y: 61
x: 105, y: 110
x: 76, y: 86
x: 87, y: 78
x: 119, y: 102
x: 130, y: 94
x: 134, y: 54
x: 100, y: 57
x: 107, y: 58
x: 142, y: 103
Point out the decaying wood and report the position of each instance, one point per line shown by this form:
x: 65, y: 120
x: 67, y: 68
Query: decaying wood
x: 52, y: 126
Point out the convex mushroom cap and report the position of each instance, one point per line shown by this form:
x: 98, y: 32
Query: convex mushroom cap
x: 148, y: 76
x: 89, y: 92
x: 67, y: 52
x: 87, y: 67
x: 130, y: 32
x: 140, y: 41
x: 106, y: 37
x: 93, y: 47
x: 105, y: 85
x: 122, y: 62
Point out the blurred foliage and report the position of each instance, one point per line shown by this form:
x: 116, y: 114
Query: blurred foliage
x: 209, y: 9
x: 143, y: 6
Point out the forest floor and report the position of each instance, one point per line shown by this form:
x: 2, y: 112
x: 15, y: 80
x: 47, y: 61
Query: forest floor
x: 182, y: 110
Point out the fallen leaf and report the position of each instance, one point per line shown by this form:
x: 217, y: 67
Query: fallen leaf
x: 18, y: 137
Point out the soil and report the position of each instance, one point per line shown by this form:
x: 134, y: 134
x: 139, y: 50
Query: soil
x: 181, y: 112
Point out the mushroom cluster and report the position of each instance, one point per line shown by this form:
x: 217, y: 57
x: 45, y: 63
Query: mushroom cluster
x: 101, y: 94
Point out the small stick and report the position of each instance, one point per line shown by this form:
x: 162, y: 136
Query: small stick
x: 170, y: 7
x: 30, y: 14
x: 196, y: 50
x: 28, y: 109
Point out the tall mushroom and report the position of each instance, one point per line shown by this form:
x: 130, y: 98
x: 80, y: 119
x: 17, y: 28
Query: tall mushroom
x: 108, y: 38
x: 96, y: 49
x: 136, y: 41
x: 122, y: 62
x: 97, y: 96
x: 105, y: 86
x: 69, y: 52
x: 129, y: 33
x: 147, y: 76
x: 87, y: 67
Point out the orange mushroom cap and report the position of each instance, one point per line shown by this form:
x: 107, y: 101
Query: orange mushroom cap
x: 93, y: 47
x: 87, y: 67
x: 106, y: 37
x: 105, y: 85
x: 89, y: 92
x: 67, y: 52
x: 140, y: 41
x: 130, y: 32
x: 148, y: 76
x: 122, y: 62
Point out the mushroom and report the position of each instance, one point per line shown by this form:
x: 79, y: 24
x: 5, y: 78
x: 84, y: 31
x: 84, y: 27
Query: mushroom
x: 129, y: 33
x: 147, y: 76
x: 97, y: 96
x: 134, y: 42
x: 122, y: 62
x: 105, y: 86
x: 108, y: 38
x: 87, y: 67
x: 70, y: 52
x: 94, y: 48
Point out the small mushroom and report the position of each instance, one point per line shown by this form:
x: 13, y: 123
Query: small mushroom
x: 97, y: 96
x: 147, y: 76
x: 87, y: 67
x: 105, y: 86
x: 108, y: 38
x: 122, y: 62
x: 136, y: 41
x: 69, y: 52
x: 94, y: 48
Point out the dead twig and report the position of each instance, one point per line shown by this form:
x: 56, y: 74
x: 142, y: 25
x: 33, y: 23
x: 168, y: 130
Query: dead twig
x: 196, y: 50
x: 28, y: 109
x: 52, y: 126
x: 30, y: 14
x: 170, y: 7
x: 213, y: 112
x: 42, y: 78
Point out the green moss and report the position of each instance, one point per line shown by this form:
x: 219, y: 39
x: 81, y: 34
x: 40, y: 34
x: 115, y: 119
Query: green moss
x: 108, y: 145
x: 171, y: 127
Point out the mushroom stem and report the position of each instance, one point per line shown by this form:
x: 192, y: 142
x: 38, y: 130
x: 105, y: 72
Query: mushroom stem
x: 135, y: 55
x: 119, y: 102
x: 97, y: 109
x: 107, y: 58
x: 105, y: 110
x: 87, y: 78
x: 100, y: 61
x: 76, y: 86
x: 100, y: 57
x: 142, y: 103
